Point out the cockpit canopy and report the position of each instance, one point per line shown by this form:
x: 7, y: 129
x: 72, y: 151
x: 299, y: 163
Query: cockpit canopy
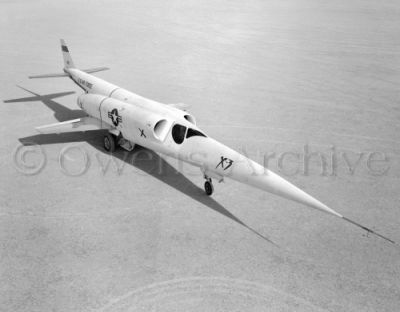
x: 179, y: 132
x: 192, y: 132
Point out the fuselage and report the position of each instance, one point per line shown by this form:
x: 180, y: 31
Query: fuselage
x: 154, y: 125
x: 173, y: 132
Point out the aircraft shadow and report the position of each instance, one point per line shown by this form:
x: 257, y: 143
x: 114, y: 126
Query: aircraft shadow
x: 61, y: 113
x: 152, y: 164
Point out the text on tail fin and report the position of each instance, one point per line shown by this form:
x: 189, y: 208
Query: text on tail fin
x: 68, y: 63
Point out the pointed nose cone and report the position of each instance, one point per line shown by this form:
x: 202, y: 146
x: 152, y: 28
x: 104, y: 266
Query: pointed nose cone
x: 251, y: 173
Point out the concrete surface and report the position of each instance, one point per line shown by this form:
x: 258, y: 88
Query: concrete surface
x: 263, y: 76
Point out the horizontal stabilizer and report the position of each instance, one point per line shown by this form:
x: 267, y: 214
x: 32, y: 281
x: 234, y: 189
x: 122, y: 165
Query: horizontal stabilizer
x: 94, y: 70
x: 75, y: 125
x: 49, y: 75
x: 57, y: 75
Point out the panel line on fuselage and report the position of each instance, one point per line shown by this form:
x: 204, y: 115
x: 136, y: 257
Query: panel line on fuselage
x: 113, y: 91
x: 76, y: 82
x: 105, y: 98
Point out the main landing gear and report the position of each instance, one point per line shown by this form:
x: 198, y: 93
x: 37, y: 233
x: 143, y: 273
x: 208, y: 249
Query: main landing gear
x: 208, y: 186
x: 111, y: 142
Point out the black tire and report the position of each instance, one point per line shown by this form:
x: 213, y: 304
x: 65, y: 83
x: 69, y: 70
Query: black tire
x: 209, y: 188
x: 109, y: 143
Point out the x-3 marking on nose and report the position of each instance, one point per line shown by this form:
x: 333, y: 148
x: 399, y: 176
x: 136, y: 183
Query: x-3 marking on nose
x: 225, y: 161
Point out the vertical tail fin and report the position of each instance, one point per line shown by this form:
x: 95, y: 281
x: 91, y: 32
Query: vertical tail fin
x: 68, y: 63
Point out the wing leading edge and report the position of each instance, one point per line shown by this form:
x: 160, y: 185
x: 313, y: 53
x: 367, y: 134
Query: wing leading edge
x: 75, y: 125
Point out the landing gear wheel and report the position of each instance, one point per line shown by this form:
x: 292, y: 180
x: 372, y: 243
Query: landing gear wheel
x: 109, y: 142
x: 208, y: 187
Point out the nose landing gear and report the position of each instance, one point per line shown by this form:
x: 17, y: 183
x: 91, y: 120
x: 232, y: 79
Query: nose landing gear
x: 208, y: 186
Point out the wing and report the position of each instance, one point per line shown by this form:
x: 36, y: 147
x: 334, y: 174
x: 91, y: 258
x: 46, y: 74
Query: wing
x: 81, y: 124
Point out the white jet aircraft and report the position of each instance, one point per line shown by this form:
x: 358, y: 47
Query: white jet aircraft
x: 167, y: 129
